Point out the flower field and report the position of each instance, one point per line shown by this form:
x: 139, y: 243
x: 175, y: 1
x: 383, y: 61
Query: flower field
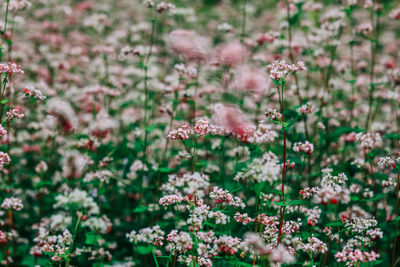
x: 199, y: 133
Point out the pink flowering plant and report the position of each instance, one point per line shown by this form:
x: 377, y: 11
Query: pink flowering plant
x: 199, y: 133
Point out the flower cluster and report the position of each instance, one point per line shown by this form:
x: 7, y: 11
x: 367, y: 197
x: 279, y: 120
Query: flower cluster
x: 280, y: 69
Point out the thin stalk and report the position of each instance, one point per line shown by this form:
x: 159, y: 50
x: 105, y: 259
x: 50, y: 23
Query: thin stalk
x: 244, y: 15
x: 5, y: 28
x: 284, y: 164
x: 146, y: 89
x: 397, y: 221
x: 374, y: 50
x: 73, y: 240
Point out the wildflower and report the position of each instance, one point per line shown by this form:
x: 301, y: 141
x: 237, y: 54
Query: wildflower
x: 387, y: 162
x: 307, y: 147
x: 170, y: 199
x: 14, y: 113
x: 395, y: 13
x: 4, y: 158
x: 304, y: 109
x: 12, y: 203
x: 231, y: 54
x: 242, y: 218
x: 10, y: 68
x: 273, y: 114
x: 182, y: 133
x: 34, y: 93
x: 162, y: 6
x: 224, y: 197
x: 279, y: 69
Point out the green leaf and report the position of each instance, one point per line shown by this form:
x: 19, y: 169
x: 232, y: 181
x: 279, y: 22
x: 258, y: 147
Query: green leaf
x: 292, y: 203
x: 276, y: 82
x: 144, y: 249
x: 91, y: 238
x: 165, y: 170
x: 5, y: 101
x: 151, y: 128
x: 140, y: 209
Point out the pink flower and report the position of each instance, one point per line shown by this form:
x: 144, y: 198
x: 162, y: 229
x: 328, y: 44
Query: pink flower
x: 14, y: 113
x: 232, y: 120
x: 250, y: 79
x: 232, y: 54
x: 189, y: 44
x: 10, y: 68
x: 395, y: 13
x: 4, y: 158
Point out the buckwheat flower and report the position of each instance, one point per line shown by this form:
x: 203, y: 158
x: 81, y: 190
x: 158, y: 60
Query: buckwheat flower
x: 4, y: 158
x: 64, y: 113
x: 224, y: 27
x: 219, y: 217
x: 280, y: 255
x: 34, y: 93
x: 355, y: 257
x: 375, y: 234
x: 3, y: 131
x: 232, y: 120
x: 10, y: 68
x: 187, y: 43
x: 273, y: 114
x: 265, y: 169
x: 103, y: 176
x: 231, y: 54
x: 368, y: 193
x: 269, y: 37
x: 148, y: 3
x: 14, y: 113
x: 151, y: 235
x: 250, y: 79
x: 264, y: 133
x: 279, y: 69
x: 78, y: 199
x: 304, y: 109
x: 364, y: 28
x: 102, y: 224
x: 224, y: 197
x: 321, y: 126
x: 352, y: 2
x: 41, y: 167
x: 312, y: 215
x: 163, y: 6
x: 170, y: 200
x: 387, y: 162
x: 395, y: 13
x: 16, y: 5
x: 308, y: 192
x: 242, y: 218
x: 228, y: 244
x: 369, y: 140
x: 368, y: 3
x: 253, y: 242
x: 359, y: 162
x: 181, y: 241
x: 198, y: 216
x: 356, y: 188
x: 12, y: 203
x: 182, y: 133
x: 3, y: 238
x: 186, y: 71
x: 202, y: 127
x: 315, y: 246
x: 306, y: 147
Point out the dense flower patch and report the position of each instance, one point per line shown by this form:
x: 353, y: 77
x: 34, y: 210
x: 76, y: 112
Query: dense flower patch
x: 199, y: 133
